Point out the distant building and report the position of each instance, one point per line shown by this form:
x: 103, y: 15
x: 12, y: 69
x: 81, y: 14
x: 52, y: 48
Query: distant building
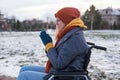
x: 3, y: 23
x: 112, y: 16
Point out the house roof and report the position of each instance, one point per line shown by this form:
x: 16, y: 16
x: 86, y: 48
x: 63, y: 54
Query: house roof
x: 116, y: 12
x: 113, y: 11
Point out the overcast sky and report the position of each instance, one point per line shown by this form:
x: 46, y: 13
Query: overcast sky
x: 41, y: 9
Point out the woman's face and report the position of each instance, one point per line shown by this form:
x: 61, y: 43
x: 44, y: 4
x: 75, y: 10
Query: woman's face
x: 59, y: 24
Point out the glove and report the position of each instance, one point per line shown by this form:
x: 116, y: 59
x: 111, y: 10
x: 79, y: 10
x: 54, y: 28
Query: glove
x: 46, y: 39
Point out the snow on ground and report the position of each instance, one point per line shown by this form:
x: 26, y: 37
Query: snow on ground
x: 25, y: 48
x: 107, y: 61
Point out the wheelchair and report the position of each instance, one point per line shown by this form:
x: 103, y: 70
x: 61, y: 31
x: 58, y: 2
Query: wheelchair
x: 82, y: 75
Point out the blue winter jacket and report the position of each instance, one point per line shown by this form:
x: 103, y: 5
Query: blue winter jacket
x: 69, y: 54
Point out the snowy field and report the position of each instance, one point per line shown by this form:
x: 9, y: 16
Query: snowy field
x: 25, y: 48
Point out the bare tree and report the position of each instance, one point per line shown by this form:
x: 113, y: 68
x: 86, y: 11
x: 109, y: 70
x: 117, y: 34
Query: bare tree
x: 92, y: 15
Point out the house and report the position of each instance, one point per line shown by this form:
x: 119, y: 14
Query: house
x: 111, y: 16
x: 3, y: 23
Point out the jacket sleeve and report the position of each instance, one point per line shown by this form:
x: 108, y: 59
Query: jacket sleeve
x: 71, y: 48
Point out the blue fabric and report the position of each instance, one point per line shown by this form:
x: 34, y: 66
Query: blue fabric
x: 45, y: 37
x: 69, y: 54
x: 31, y: 73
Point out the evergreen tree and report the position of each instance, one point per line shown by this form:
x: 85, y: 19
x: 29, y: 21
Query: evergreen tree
x: 86, y: 18
x: 18, y: 25
x: 97, y: 20
x: 92, y: 18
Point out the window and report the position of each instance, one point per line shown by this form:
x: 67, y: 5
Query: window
x: 106, y: 12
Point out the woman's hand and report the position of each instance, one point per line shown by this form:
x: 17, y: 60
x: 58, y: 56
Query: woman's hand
x: 46, y: 39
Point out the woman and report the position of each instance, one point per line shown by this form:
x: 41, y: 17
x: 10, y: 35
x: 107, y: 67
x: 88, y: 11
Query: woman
x: 69, y: 50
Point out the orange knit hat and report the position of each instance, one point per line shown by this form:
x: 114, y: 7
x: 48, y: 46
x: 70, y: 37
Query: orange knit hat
x: 67, y: 14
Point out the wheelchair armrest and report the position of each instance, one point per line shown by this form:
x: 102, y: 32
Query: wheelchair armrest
x: 68, y: 73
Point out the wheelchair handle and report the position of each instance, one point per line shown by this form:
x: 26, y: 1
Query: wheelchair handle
x: 100, y: 47
x: 90, y: 43
x: 97, y: 47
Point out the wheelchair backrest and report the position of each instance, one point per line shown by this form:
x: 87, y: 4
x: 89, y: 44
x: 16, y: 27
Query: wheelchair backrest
x: 88, y: 55
x: 87, y: 59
